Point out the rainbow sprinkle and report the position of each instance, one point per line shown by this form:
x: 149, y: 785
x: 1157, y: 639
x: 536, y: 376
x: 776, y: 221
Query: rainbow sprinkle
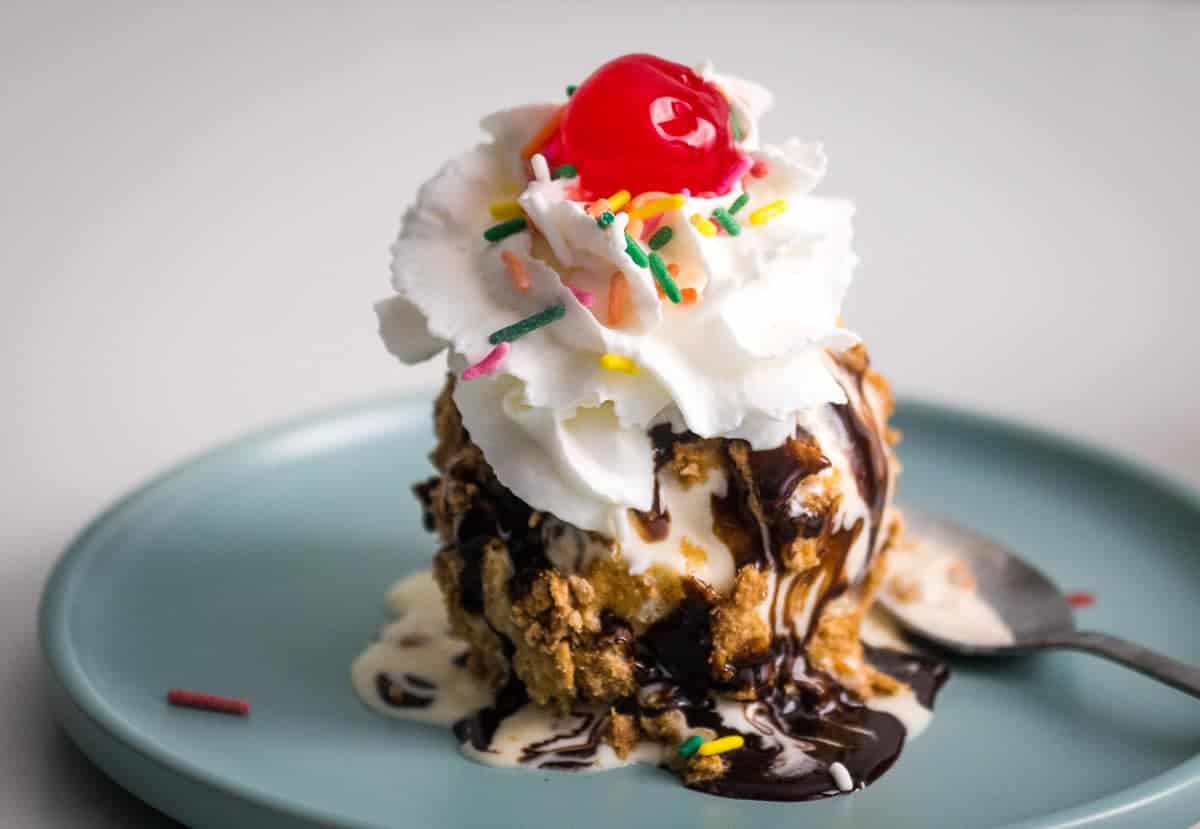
x: 542, y: 135
x: 605, y: 218
x: 759, y: 169
x: 505, y: 229
x: 518, y: 274
x: 586, y: 299
x: 618, y: 200
x: 564, y: 171
x: 506, y: 210
x: 571, y: 89
x: 739, y: 203
x: 635, y: 252
x: 528, y: 325
x: 767, y: 212
x: 615, y: 362
x: 657, y: 206
x: 664, y: 279
x: 726, y: 221
x: 661, y: 237
x: 618, y: 298
x: 734, y: 126
x: 688, y: 747
x: 703, y: 225
x: 488, y: 364
x: 719, y: 746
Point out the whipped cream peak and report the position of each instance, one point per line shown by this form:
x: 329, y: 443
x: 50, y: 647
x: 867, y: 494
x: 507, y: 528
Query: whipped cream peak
x: 740, y: 356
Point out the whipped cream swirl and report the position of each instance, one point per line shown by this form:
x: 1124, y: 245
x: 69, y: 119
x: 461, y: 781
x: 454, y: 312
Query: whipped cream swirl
x: 565, y: 434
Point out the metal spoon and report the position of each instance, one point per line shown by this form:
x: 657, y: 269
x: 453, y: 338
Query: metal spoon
x: 1029, y: 603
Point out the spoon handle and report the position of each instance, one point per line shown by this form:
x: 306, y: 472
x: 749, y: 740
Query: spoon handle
x: 1178, y: 675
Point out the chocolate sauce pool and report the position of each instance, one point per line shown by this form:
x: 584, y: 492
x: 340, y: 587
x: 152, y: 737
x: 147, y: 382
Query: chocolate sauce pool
x: 792, y: 738
x: 831, y: 724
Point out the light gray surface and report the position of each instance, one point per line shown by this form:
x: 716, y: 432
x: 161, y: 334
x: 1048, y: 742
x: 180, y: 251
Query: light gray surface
x: 197, y: 204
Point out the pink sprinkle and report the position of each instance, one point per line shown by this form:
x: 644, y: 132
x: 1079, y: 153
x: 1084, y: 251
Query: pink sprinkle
x: 650, y: 225
x: 488, y: 364
x: 736, y: 172
x: 1081, y: 599
x: 585, y: 297
x: 758, y: 169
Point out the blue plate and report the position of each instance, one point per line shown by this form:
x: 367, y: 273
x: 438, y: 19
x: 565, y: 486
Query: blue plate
x: 259, y: 570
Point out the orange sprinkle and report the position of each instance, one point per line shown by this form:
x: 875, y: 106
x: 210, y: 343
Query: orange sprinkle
x: 517, y: 271
x: 618, y: 299
x: 597, y: 207
x: 542, y: 136
x: 690, y: 295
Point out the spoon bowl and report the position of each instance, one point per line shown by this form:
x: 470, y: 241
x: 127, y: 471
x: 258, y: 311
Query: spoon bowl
x: 1028, y: 603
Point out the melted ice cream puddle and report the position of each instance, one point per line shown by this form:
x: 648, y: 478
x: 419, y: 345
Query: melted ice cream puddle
x: 423, y: 667
x: 931, y: 586
x: 417, y: 671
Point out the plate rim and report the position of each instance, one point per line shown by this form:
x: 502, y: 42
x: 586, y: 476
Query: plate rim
x: 76, y: 696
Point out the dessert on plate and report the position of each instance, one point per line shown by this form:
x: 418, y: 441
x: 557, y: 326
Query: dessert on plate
x: 664, y: 473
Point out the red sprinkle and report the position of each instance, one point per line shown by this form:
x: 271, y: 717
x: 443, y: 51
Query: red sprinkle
x: 758, y: 169
x: 1081, y: 599
x: 208, y: 702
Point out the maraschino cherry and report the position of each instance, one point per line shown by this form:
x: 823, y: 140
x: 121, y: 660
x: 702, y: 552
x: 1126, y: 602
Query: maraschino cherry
x: 642, y: 123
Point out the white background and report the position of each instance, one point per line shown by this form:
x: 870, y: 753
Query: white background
x: 196, y: 203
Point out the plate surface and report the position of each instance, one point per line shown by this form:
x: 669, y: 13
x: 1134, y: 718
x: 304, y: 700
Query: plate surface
x: 260, y: 569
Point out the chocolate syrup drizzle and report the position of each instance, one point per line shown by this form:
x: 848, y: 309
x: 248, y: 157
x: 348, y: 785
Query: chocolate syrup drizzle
x: 792, y: 702
x: 410, y: 691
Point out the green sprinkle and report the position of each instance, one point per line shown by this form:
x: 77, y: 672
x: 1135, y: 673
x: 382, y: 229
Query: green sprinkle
x: 505, y: 229
x: 689, y: 746
x: 605, y: 218
x: 635, y: 251
x: 563, y: 171
x: 571, y: 90
x: 663, y: 276
x: 726, y: 221
x: 661, y: 237
x: 734, y: 126
x: 522, y: 327
x: 739, y: 203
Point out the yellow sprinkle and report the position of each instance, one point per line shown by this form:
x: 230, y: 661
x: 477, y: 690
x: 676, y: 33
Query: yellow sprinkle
x: 658, y: 206
x: 618, y: 200
x: 724, y: 744
x: 767, y: 212
x: 506, y: 210
x: 615, y: 362
x: 706, y: 227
